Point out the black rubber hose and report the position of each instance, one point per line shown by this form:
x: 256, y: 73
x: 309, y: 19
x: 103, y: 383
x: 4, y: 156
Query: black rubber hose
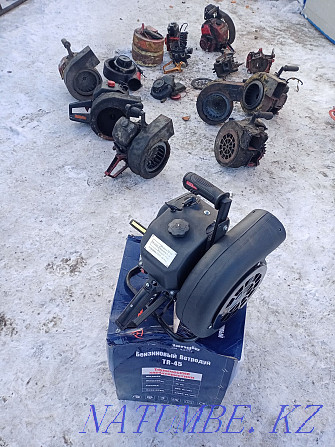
x: 134, y: 271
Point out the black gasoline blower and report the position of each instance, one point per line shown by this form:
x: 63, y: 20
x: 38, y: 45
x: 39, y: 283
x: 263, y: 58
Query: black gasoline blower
x: 193, y: 263
x: 142, y: 147
x: 108, y: 104
x: 79, y: 73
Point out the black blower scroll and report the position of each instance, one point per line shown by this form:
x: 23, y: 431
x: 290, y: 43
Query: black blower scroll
x: 123, y: 70
x: 194, y: 263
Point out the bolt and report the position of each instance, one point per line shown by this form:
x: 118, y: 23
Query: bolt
x: 210, y: 326
x: 225, y: 227
x: 207, y: 213
x: 154, y: 283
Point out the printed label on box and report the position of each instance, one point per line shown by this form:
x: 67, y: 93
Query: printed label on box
x: 162, y: 252
x: 168, y: 381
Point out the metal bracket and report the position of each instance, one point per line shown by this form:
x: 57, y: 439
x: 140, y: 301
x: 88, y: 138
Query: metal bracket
x: 115, y: 162
x: 177, y: 67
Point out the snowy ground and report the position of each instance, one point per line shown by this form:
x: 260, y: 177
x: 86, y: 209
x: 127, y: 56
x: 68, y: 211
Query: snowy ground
x: 64, y: 225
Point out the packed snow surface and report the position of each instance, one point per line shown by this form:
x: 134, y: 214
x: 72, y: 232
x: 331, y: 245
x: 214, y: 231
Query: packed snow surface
x: 64, y: 226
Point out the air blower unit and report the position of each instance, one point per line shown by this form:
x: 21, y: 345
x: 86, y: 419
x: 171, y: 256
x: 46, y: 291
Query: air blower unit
x: 196, y: 265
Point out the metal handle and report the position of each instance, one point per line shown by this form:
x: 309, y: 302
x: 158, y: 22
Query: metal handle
x: 287, y: 68
x: 198, y: 185
x: 81, y: 117
x: 67, y: 45
x: 290, y: 68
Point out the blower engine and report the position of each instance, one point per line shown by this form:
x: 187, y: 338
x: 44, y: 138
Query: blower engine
x: 106, y: 107
x: 226, y: 63
x: 242, y: 143
x: 217, y: 31
x: 78, y: 72
x: 262, y: 92
x: 176, y: 44
x: 141, y: 146
x: 257, y: 61
x: 123, y: 70
x: 193, y: 263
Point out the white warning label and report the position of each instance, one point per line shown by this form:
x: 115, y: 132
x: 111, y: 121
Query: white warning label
x: 162, y: 252
x: 172, y: 373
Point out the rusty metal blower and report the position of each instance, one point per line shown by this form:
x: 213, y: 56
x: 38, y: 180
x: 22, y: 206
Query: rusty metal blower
x: 262, y: 92
x: 242, y: 143
x: 217, y: 31
x: 78, y: 72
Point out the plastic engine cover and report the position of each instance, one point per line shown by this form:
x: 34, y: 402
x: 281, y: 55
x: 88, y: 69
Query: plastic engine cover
x: 167, y: 258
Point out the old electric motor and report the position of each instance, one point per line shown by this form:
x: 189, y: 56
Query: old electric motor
x: 195, y: 264
x: 106, y: 107
x: 78, y: 72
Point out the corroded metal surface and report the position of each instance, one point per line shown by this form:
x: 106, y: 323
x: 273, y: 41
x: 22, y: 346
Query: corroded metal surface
x: 147, y: 51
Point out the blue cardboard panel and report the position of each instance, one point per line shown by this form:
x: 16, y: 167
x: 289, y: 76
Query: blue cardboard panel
x: 148, y: 365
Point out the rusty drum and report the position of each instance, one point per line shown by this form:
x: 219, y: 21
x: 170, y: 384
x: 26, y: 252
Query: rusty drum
x: 148, y: 46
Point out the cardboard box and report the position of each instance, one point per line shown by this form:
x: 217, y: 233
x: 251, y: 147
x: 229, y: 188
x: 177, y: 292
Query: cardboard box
x: 148, y: 365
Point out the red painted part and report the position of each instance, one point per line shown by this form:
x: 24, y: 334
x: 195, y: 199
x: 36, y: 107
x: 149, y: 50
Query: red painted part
x: 191, y: 184
x: 332, y: 113
x: 176, y: 97
x: 111, y: 84
x: 205, y: 30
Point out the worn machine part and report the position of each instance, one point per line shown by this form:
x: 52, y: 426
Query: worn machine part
x: 215, y: 101
x: 148, y: 46
x: 242, y: 143
x: 143, y: 147
x: 166, y: 87
x: 226, y: 63
x: 258, y: 62
x: 217, y: 31
x: 200, y: 83
x: 107, y: 106
x: 122, y: 69
x: 194, y: 263
x: 10, y: 7
x: 176, y: 44
x: 262, y: 92
x: 78, y: 72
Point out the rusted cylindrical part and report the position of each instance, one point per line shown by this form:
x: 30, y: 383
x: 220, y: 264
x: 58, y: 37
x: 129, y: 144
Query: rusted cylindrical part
x: 145, y: 50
